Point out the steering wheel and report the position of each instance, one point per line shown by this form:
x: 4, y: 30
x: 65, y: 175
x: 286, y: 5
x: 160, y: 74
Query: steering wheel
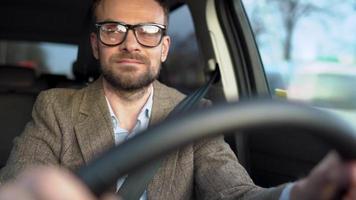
x: 184, y: 129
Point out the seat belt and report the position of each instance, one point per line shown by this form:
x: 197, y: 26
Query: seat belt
x: 136, y: 183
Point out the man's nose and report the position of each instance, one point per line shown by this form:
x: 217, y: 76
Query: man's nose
x: 130, y: 43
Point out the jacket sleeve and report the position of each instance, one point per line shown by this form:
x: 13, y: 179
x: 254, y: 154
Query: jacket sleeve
x: 219, y: 175
x: 39, y: 143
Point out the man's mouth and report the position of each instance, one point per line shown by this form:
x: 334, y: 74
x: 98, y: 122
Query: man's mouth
x: 129, y: 61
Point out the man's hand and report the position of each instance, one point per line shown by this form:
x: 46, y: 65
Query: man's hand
x: 331, y: 179
x: 47, y: 183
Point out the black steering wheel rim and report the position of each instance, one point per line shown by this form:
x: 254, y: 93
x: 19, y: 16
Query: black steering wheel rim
x: 184, y: 129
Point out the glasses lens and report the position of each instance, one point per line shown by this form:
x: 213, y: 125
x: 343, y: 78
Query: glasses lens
x: 112, y: 33
x: 149, y: 35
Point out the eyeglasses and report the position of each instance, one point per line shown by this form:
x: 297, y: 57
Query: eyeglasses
x: 113, y: 33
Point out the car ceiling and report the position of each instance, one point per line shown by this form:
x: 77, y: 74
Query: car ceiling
x: 42, y: 20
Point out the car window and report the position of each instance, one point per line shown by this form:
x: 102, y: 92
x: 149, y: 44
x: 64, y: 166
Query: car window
x: 308, y: 49
x: 184, y: 66
x: 43, y: 57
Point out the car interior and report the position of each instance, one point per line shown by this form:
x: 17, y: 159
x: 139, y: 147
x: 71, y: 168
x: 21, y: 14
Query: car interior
x: 224, y: 40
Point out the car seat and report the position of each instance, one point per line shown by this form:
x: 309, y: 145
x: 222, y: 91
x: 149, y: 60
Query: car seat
x: 17, y: 96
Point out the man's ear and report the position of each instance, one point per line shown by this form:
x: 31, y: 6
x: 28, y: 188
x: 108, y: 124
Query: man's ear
x: 94, y: 45
x: 166, y: 42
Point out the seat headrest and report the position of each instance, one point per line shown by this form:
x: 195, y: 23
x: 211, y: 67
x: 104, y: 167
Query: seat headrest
x: 86, y: 68
x: 12, y: 76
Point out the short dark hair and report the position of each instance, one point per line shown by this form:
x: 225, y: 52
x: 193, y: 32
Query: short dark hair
x: 162, y: 3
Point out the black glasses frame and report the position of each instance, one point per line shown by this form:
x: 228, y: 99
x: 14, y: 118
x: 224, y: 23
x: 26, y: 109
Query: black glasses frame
x: 130, y: 27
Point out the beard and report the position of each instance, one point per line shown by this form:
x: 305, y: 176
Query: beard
x: 128, y: 80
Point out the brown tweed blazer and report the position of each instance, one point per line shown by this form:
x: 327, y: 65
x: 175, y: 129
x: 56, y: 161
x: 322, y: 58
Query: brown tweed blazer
x: 70, y: 127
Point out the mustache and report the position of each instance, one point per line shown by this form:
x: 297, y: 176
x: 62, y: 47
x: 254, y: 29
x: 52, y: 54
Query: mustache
x: 127, y: 55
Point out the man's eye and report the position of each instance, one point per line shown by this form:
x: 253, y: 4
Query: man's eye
x: 121, y: 28
x: 114, y: 28
x: 149, y: 29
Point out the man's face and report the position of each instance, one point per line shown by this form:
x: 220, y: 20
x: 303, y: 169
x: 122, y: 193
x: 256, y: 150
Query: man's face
x: 130, y: 66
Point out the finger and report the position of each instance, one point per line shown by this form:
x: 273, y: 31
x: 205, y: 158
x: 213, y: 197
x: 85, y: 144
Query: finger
x: 10, y: 191
x: 351, y: 190
x: 325, y: 181
x: 53, y: 184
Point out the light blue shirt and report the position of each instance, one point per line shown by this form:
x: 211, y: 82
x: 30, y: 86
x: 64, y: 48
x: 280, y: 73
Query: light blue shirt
x: 121, y: 134
x: 286, y: 192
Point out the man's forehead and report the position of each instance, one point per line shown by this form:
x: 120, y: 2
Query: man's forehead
x: 130, y: 11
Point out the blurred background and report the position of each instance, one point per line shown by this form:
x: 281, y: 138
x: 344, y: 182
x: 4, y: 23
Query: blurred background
x: 308, y: 49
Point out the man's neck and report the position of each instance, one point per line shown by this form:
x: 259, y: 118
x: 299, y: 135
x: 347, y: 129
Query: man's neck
x: 127, y: 105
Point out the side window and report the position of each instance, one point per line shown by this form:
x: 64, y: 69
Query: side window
x: 43, y: 57
x: 184, y: 66
x: 308, y: 49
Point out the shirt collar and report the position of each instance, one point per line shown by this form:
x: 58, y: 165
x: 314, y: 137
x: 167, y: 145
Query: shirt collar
x: 146, y: 109
x: 145, y: 112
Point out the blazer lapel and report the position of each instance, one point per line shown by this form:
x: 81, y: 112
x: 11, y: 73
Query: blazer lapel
x: 161, y: 185
x: 163, y: 103
x: 94, y: 129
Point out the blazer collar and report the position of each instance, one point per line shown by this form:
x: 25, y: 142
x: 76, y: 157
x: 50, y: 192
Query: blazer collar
x: 163, y: 103
x: 94, y: 128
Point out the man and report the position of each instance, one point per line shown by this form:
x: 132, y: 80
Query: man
x: 70, y: 127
